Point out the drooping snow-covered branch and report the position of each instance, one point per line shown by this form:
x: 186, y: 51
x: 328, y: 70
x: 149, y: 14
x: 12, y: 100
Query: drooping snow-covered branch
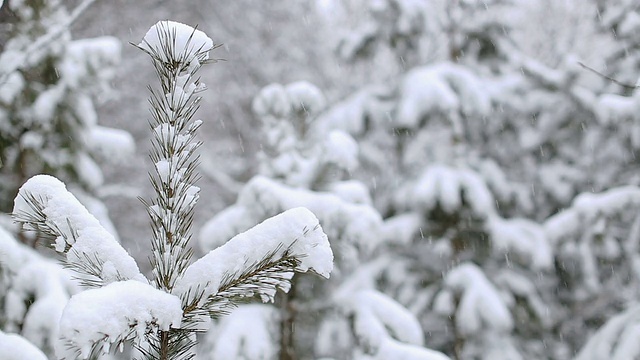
x: 43, y: 204
x: 258, y: 261
x: 97, y: 319
x: 384, y: 329
x: 480, y: 307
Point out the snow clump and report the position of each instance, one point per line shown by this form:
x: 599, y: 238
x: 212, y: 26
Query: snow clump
x: 188, y: 43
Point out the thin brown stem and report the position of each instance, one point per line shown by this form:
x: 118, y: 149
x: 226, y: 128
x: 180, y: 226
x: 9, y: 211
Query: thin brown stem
x: 164, y: 345
x: 287, y: 323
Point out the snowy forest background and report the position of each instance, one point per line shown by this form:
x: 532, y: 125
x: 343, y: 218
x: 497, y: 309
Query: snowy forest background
x: 473, y: 164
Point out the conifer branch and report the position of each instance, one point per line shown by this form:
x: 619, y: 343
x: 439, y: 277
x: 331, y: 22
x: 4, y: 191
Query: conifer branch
x: 273, y: 272
x: 172, y: 152
x: 174, y: 176
x: 89, y: 268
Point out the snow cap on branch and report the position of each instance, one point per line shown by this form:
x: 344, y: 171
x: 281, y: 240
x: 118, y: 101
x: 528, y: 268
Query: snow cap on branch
x: 99, y: 318
x: 172, y: 40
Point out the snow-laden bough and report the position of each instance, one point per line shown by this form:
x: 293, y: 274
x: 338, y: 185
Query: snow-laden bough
x: 44, y: 204
x: 295, y: 235
x: 114, y: 314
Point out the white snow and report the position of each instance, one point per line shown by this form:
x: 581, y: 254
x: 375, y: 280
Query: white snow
x: 249, y: 332
x: 272, y: 101
x: 84, y: 110
x: 615, y: 109
x: 378, y: 317
x: 341, y: 149
x: 90, y: 57
x: 11, y: 87
x: 401, y: 229
x: 78, y: 229
x: 15, y: 347
x: 617, y: 339
x: 344, y: 223
x: 12, y: 254
x: 33, y: 291
x: 110, y: 144
x: 446, y: 89
x: 46, y: 104
x: 351, y: 191
x: 524, y: 238
x: 586, y: 208
x: 48, y: 286
x: 481, y: 306
x: 297, y: 230
x: 524, y: 288
x: 306, y: 97
x: 450, y: 187
x: 88, y: 170
x: 188, y: 43
x: 350, y: 114
x: 118, y: 311
x: 392, y: 349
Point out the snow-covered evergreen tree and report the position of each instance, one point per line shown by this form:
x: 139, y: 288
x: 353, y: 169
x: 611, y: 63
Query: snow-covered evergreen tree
x: 302, y: 164
x: 49, y: 87
x: 161, y: 316
x: 471, y: 137
x: 491, y: 145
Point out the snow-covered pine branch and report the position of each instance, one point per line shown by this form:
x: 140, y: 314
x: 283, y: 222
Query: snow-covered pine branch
x: 353, y: 227
x: 134, y: 309
x: 43, y: 204
x: 177, y: 51
x: 290, y: 241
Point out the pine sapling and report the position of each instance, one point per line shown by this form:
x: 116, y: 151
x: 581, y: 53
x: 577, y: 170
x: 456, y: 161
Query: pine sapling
x: 161, y: 316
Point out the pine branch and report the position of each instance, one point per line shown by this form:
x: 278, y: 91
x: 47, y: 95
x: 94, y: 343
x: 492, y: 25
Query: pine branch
x: 176, y: 342
x: 173, y: 147
x: 173, y: 154
x: 104, y: 346
x: 36, y: 220
x: 263, y: 278
x: 89, y: 269
x: 63, y: 233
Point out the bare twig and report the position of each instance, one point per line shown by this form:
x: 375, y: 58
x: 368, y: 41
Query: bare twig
x: 615, y: 81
